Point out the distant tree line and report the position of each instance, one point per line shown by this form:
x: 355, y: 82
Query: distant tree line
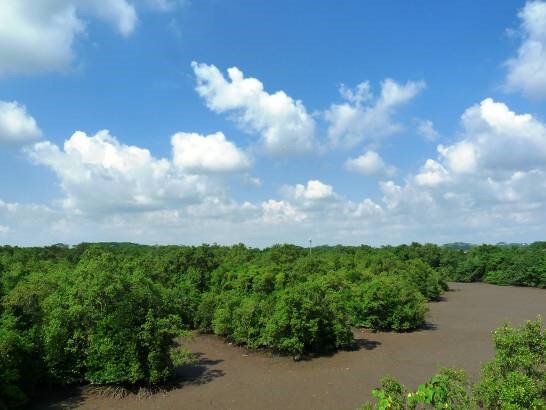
x: 111, y: 313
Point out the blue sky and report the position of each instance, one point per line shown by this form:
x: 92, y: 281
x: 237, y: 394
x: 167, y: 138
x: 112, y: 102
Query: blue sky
x: 360, y: 122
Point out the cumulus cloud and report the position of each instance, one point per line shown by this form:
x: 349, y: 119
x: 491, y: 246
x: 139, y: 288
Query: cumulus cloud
x: 99, y: 174
x: 16, y: 125
x: 425, y: 128
x: 368, y: 208
x: 369, y: 163
x: 432, y: 174
x: 499, y: 159
x: 320, y: 204
x: 314, y: 190
x: 207, y: 154
x: 460, y: 157
x: 488, y: 184
x: 527, y: 70
x: 39, y: 35
x: 283, y: 123
x: 497, y: 141
x: 493, y: 178
x: 116, y: 190
x: 280, y: 211
x: 363, y: 117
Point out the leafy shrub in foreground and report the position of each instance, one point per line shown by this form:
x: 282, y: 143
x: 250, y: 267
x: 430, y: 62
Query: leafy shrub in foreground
x: 449, y: 389
x: 514, y: 379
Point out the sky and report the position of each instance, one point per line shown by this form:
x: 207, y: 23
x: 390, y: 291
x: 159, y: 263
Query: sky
x: 201, y: 121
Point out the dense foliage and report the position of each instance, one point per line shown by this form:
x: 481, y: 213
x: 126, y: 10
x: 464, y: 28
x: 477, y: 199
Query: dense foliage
x: 501, y: 264
x: 110, y: 313
x: 514, y: 379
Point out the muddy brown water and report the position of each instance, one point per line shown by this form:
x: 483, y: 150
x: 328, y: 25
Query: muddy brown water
x: 230, y: 377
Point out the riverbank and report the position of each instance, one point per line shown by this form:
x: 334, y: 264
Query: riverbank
x: 230, y: 377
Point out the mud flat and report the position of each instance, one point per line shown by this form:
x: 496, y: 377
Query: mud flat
x: 229, y: 377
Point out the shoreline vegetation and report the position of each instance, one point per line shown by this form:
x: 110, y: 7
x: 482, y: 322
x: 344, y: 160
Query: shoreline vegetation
x: 109, y: 313
x: 515, y: 378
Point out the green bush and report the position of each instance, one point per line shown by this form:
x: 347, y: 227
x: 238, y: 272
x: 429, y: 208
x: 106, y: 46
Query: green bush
x: 516, y: 377
x: 426, y: 279
x: 106, y: 325
x: 392, y: 395
x: 310, y: 316
x: 449, y: 389
x: 388, y: 302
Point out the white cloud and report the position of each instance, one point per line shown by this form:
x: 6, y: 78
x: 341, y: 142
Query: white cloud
x: 280, y: 211
x: 352, y: 121
x: 214, y: 208
x: 16, y: 125
x: 498, y: 140
x: 391, y: 193
x: 99, y: 174
x: 491, y: 182
x: 315, y: 190
x: 283, y: 123
x: 495, y: 144
x: 488, y: 184
x: 527, y: 71
x: 426, y: 129
x: 460, y: 157
x: 118, y: 192
x: 4, y: 230
x: 500, y: 158
x: 432, y: 174
x: 39, y: 35
x: 207, y: 154
x: 370, y: 163
x: 368, y: 208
